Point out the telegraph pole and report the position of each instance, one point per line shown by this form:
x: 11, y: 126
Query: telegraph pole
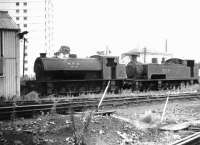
x: 21, y: 36
x: 24, y: 54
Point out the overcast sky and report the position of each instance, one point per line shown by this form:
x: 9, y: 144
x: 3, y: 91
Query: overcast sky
x: 90, y: 25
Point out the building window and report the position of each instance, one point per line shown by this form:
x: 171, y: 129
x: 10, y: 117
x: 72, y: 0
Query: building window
x: 17, y: 18
x: 17, y: 3
x: 25, y: 18
x: 18, y: 25
x: 25, y: 10
x: 25, y: 3
x: 17, y: 11
x: 25, y: 25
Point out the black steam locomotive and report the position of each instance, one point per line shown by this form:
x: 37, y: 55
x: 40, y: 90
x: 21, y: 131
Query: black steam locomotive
x: 90, y: 75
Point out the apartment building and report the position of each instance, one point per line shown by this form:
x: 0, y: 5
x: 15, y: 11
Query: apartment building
x: 36, y: 17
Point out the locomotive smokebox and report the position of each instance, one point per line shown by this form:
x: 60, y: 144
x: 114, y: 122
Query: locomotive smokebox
x: 134, y: 69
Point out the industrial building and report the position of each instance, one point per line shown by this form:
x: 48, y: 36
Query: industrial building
x: 9, y: 56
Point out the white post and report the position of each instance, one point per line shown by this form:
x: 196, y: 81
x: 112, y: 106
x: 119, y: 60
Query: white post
x: 164, y: 109
x: 103, y: 95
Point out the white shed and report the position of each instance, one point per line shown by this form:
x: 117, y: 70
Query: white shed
x: 9, y: 56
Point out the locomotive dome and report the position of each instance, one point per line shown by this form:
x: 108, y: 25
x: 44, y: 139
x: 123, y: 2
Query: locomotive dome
x: 174, y: 61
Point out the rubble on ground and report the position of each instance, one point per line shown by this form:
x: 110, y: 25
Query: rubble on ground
x: 139, y: 125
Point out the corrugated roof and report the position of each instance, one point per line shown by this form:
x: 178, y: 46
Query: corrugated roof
x: 6, y: 22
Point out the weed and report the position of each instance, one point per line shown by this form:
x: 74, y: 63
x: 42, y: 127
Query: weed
x: 13, y: 115
x: 53, y: 108
x: 80, y: 134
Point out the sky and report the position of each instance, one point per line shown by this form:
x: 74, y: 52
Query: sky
x: 87, y: 26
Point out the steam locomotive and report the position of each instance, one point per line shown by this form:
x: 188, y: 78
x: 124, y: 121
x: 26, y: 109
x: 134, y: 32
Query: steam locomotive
x: 90, y: 75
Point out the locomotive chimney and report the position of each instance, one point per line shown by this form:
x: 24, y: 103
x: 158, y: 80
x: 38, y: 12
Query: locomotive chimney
x: 43, y: 55
x: 154, y: 60
x: 163, y: 60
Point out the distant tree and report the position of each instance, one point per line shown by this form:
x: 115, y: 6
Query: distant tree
x: 64, y: 50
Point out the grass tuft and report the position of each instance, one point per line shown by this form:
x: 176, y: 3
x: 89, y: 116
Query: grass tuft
x: 80, y: 133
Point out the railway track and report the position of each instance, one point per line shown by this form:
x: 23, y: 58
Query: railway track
x: 27, y: 108
x: 193, y: 139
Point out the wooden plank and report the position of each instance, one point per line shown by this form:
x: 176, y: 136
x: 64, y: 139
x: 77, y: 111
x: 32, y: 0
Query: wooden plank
x: 175, y: 127
x: 103, y: 113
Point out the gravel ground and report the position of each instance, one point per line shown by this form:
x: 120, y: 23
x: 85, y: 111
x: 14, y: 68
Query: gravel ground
x: 176, y: 112
x: 142, y: 128
x: 183, y: 110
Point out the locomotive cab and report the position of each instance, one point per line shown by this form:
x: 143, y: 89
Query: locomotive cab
x: 111, y: 69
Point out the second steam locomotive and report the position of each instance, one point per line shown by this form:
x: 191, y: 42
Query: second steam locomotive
x: 90, y: 75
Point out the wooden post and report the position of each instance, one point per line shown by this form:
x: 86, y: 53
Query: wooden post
x: 159, y: 85
x: 164, y: 109
x: 103, y: 96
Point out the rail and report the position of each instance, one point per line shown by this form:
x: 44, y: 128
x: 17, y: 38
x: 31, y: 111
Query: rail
x: 79, y: 104
x: 193, y: 139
